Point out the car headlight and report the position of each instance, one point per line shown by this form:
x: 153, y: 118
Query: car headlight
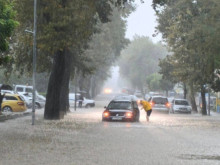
x: 106, y: 114
x: 129, y: 114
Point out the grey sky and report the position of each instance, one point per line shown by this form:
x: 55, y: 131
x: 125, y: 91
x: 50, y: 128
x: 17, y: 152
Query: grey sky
x: 142, y: 22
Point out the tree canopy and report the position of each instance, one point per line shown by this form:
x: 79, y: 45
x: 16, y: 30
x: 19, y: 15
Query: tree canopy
x: 7, y: 26
x: 191, y: 30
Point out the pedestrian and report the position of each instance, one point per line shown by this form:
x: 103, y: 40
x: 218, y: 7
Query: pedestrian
x: 1, y: 98
x: 80, y: 101
x: 147, y: 107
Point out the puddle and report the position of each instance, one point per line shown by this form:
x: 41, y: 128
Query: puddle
x: 194, y: 157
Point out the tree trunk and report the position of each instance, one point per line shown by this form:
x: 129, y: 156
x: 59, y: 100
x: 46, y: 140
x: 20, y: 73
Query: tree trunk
x: 192, y: 97
x: 204, y: 112
x: 57, y: 91
x: 64, y: 96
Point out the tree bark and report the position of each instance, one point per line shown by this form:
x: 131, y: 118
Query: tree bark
x: 64, y: 96
x: 192, y: 97
x: 204, y: 112
x: 57, y: 92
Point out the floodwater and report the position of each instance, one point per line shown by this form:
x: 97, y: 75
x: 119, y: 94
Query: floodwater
x: 83, y: 139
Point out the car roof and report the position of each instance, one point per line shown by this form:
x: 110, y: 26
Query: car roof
x: 158, y: 96
x: 10, y: 94
x: 126, y: 97
x: 181, y: 99
x: 122, y: 100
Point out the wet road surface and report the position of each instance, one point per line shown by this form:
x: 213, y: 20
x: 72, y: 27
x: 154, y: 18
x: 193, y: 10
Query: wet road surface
x: 83, y: 139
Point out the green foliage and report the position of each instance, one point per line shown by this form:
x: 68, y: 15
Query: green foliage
x: 104, y: 48
x: 156, y: 83
x: 7, y: 23
x: 139, y: 60
x: 153, y: 82
x: 191, y: 29
x: 61, y: 25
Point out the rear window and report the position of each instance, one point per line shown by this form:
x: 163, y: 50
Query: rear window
x: 119, y: 105
x: 19, y: 89
x: 29, y: 90
x: 181, y: 102
x: 10, y: 98
x: 160, y: 100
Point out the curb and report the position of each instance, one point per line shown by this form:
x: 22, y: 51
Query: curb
x: 4, y: 117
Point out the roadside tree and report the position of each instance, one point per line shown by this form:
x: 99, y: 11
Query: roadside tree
x: 191, y: 31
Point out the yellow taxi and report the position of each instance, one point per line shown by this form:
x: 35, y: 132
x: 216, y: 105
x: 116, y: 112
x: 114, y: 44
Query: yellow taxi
x: 13, y: 103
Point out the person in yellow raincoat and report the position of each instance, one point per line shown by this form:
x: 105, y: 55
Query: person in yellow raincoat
x: 147, y: 107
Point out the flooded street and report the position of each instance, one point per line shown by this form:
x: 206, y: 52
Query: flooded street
x: 83, y: 139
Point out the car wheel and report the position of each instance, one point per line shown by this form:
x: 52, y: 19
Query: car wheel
x: 88, y: 106
x: 37, y: 106
x: 7, y: 109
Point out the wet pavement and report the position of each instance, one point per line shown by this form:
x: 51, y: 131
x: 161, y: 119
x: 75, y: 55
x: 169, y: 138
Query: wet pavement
x: 83, y: 139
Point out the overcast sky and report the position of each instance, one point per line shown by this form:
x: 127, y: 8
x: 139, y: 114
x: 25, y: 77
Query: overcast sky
x: 142, y: 22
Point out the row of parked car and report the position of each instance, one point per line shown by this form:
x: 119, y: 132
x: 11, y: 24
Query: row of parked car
x: 125, y: 107
x: 19, y: 99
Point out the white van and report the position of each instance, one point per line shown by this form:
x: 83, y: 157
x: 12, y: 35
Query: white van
x: 23, y: 89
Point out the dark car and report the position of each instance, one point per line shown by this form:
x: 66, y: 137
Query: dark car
x: 121, y: 110
x: 160, y: 103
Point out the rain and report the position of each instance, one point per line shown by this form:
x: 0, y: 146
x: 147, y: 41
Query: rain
x: 109, y: 82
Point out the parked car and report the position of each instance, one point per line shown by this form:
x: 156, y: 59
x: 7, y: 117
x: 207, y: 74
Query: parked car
x: 159, y: 103
x: 39, y: 101
x: 13, y: 103
x: 121, y: 110
x: 7, y: 91
x: 87, y: 103
x: 26, y: 92
x: 180, y: 105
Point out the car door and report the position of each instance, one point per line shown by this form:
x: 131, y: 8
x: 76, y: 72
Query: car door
x: 10, y: 101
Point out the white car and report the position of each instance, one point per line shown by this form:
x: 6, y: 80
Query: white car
x: 39, y: 102
x: 7, y: 91
x: 85, y: 103
x: 180, y: 105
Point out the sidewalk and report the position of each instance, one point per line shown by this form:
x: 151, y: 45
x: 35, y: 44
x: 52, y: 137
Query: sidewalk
x: 13, y: 115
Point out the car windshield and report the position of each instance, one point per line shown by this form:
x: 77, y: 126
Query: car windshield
x: 160, y: 100
x: 181, y: 102
x: 119, y: 105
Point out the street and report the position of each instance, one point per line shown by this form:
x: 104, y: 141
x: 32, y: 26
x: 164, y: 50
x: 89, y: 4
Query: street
x: 83, y: 139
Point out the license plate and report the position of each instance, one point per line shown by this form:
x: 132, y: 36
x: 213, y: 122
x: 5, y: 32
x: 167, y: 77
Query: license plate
x: 116, y: 118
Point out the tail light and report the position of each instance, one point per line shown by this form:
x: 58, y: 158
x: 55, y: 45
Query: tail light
x: 129, y: 114
x: 152, y: 103
x: 106, y: 114
x: 168, y: 105
x: 21, y: 103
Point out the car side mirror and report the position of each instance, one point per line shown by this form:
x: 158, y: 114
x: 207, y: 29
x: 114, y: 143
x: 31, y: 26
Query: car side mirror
x: 105, y: 107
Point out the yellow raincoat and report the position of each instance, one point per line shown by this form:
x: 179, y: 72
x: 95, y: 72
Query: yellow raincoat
x: 146, y: 105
